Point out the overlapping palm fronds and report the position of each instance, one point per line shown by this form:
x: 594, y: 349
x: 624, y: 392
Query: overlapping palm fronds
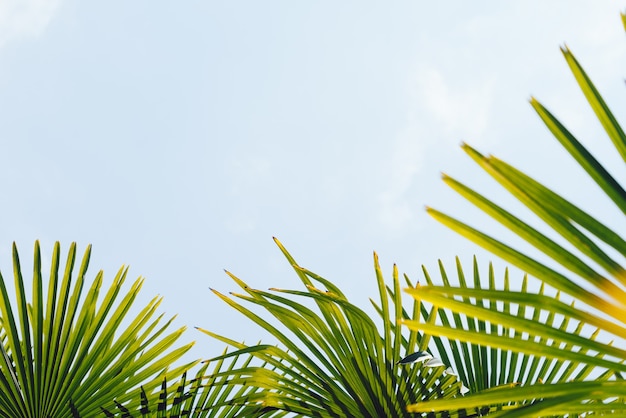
x: 589, y: 271
x: 204, y: 396
x: 515, y: 339
x: 63, y: 354
x: 182, y: 404
x: 337, y: 361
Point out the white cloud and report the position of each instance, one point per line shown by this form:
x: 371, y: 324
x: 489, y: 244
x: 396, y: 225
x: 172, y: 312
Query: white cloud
x: 395, y: 210
x: 21, y: 19
x: 454, y: 111
x: 440, y: 114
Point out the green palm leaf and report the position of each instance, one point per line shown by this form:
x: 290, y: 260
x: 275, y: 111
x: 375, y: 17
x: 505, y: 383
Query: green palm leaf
x: 511, y: 338
x: 64, y: 354
x: 333, y: 359
x: 588, y: 271
x: 206, y: 395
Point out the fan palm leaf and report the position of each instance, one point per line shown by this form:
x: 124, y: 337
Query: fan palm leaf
x: 588, y: 271
x: 206, y: 395
x: 64, y: 354
x: 334, y: 359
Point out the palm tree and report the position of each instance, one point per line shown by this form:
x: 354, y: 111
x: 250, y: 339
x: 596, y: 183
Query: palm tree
x: 581, y: 324
x: 65, y: 354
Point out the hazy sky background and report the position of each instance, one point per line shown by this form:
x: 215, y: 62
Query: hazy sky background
x: 179, y: 137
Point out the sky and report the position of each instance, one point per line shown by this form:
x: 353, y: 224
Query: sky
x: 179, y: 137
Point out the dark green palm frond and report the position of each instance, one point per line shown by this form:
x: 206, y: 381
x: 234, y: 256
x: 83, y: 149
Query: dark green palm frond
x: 588, y: 270
x: 64, y: 354
x: 220, y: 396
x: 164, y: 405
x: 225, y: 397
x: 209, y: 394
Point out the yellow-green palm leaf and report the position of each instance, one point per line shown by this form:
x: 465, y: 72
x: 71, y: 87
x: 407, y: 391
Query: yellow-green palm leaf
x: 334, y: 360
x: 588, y: 273
x: 65, y: 353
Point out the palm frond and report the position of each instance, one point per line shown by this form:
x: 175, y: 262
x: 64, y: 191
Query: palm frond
x: 334, y: 359
x: 66, y: 354
x: 588, y: 271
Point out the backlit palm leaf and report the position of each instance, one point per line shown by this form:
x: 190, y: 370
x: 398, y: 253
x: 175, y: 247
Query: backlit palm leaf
x: 529, y: 338
x: 591, y: 274
x: 334, y: 360
x: 64, y: 354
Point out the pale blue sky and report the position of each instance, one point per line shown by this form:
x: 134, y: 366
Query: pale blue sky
x: 179, y: 137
